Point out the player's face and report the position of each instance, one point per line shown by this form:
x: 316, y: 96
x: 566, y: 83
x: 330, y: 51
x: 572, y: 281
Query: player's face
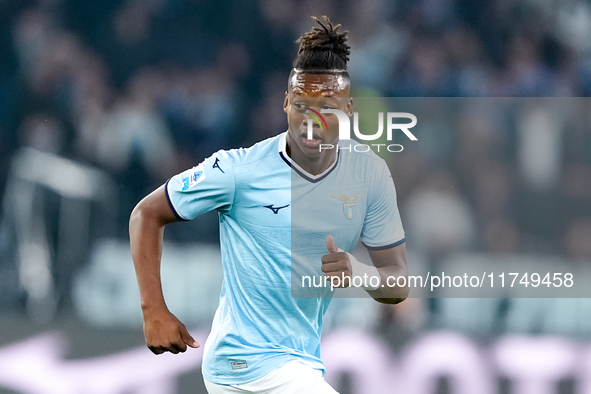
x: 308, y: 94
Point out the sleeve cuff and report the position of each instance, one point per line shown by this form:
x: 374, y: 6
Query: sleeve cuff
x: 172, y: 208
x: 403, y: 240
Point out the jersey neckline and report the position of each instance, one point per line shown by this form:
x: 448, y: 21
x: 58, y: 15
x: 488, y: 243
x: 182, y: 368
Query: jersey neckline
x: 299, y: 170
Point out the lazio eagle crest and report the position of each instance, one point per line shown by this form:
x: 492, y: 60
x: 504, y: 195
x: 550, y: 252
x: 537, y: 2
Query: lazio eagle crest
x: 349, y: 206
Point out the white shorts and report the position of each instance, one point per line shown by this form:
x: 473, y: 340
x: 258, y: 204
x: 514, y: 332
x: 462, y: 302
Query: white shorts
x: 292, y: 378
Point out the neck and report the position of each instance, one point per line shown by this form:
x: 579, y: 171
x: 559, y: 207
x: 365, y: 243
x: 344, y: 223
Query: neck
x: 312, y: 165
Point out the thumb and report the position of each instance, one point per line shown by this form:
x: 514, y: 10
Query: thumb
x: 188, y: 339
x: 330, y: 245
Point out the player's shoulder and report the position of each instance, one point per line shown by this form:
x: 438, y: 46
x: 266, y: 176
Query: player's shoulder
x: 243, y: 156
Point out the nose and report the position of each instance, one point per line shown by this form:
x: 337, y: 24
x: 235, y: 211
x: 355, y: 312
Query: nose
x: 308, y: 119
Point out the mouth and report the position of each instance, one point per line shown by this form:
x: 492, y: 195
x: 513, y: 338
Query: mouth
x: 313, y: 143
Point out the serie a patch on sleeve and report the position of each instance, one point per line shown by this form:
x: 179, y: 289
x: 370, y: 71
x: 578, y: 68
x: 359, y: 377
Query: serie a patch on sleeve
x: 192, y: 177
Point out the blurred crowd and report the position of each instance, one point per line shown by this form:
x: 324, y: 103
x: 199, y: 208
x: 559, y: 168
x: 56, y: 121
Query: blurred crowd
x: 514, y: 176
x: 146, y: 88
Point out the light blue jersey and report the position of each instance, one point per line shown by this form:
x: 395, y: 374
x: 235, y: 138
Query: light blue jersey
x: 271, y: 211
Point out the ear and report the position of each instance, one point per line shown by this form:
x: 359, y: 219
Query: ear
x: 286, y: 102
x: 349, y: 107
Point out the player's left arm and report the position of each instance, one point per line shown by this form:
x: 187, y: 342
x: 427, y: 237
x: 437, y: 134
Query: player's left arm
x: 383, y: 236
x: 391, y: 265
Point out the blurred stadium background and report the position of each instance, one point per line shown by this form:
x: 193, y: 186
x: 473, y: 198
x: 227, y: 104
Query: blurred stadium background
x: 102, y: 101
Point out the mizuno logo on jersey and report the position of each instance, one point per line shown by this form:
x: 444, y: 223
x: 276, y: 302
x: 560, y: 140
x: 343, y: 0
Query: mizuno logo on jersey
x: 349, y: 206
x: 275, y: 209
x: 217, y: 165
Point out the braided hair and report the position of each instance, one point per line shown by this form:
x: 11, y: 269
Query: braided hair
x: 323, y: 48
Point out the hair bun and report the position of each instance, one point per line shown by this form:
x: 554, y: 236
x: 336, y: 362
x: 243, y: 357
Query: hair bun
x: 324, y: 47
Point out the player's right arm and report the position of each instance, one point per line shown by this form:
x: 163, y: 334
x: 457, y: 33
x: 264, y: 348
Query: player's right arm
x: 163, y: 331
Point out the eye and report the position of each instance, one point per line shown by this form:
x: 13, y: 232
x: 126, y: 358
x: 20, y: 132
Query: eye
x: 299, y: 106
x: 327, y: 107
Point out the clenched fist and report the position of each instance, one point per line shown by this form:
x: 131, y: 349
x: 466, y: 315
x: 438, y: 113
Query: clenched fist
x: 165, y: 333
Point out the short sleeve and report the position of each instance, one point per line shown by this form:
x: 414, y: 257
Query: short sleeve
x: 382, y: 228
x: 203, y: 188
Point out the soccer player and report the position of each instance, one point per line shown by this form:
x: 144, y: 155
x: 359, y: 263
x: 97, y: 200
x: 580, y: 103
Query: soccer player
x: 263, y: 340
